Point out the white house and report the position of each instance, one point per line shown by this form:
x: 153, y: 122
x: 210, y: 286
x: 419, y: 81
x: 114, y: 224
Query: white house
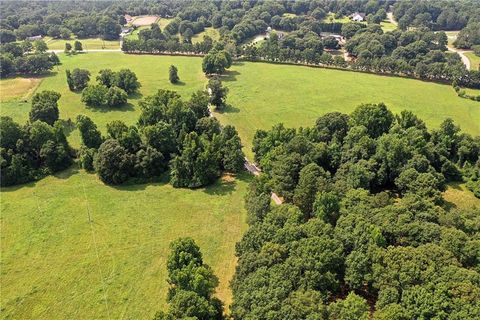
x: 358, y: 17
x: 34, y: 38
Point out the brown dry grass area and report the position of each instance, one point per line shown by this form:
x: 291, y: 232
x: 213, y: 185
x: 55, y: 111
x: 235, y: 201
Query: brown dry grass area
x: 20, y: 88
x: 144, y: 20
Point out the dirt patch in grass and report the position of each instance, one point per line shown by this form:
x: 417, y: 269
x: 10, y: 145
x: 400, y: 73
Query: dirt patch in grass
x: 144, y: 20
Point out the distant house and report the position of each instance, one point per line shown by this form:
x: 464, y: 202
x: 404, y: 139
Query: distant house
x: 125, y: 31
x: 357, y: 17
x: 34, y: 38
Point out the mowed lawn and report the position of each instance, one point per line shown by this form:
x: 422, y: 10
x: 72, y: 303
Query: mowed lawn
x: 57, y: 265
x: 263, y: 94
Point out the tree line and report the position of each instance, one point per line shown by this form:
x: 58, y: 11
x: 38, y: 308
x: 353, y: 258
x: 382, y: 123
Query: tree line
x: 365, y: 232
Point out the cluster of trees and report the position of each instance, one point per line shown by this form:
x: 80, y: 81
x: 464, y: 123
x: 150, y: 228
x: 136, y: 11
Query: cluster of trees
x: 38, y: 148
x: 469, y: 37
x: 153, y: 40
x: 170, y: 134
x: 436, y: 15
x: 364, y: 228
x: 25, y: 58
x: 77, y: 47
x: 192, y: 284
x: 61, y: 19
x: 112, y: 89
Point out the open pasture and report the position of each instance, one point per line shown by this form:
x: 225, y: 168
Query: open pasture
x: 261, y: 94
x: 57, y: 263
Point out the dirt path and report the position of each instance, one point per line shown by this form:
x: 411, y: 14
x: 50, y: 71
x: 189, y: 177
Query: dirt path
x: 462, y: 55
x: 390, y: 18
x: 253, y: 169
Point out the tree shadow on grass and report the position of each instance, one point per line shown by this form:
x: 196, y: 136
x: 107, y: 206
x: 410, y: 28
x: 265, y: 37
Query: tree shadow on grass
x: 228, y: 109
x: 230, y: 75
x: 135, y: 95
x: 123, y: 108
x: 227, y: 184
x: 134, y: 184
x: 67, y: 173
x: 179, y: 83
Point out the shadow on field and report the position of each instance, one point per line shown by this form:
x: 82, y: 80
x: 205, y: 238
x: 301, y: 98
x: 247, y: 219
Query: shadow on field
x: 123, y: 108
x: 179, y: 83
x: 136, y: 95
x: 230, y: 75
x: 229, y: 109
x: 67, y: 173
x: 226, y: 184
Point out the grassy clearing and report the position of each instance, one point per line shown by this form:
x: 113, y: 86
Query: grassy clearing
x: 331, y: 18
x: 474, y: 60
x: 17, y: 88
x: 88, y: 44
x: 264, y: 94
x: 387, y: 26
x: 458, y: 196
x: 57, y: 264
x: 211, y: 32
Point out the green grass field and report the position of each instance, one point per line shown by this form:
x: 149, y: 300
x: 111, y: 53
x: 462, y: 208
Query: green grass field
x: 211, y: 32
x: 474, y: 60
x: 88, y: 44
x: 57, y: 265
x: 261, y: 94
x: 387, y: 26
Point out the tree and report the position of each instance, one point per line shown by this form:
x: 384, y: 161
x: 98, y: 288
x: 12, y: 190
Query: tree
x: 68, y: 47
x: 7, y: 36
x: 54, y: 156
x: 115, y: 97
x: 218, y: 93
x: 198, y: 103
x: 352, y: 307
x: 127, y: 80
x: 375, y: 117
x: 113, y: 163
x: 173, y: 74
x: 40, y: 46
x: 192, y: 284
x: 89, y: 133
x: 78, y: 79
x: 108, y: 28
x: 327, y: 207
x: 106, y: 77
x: 45, y: 107
x: 307, y: 187
x: 233, y: 158
x: 215, y: 62
x: 77, y: 46
x: 95, y: 95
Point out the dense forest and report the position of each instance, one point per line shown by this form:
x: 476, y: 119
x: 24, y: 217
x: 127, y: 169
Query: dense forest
x: 364, y: 229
